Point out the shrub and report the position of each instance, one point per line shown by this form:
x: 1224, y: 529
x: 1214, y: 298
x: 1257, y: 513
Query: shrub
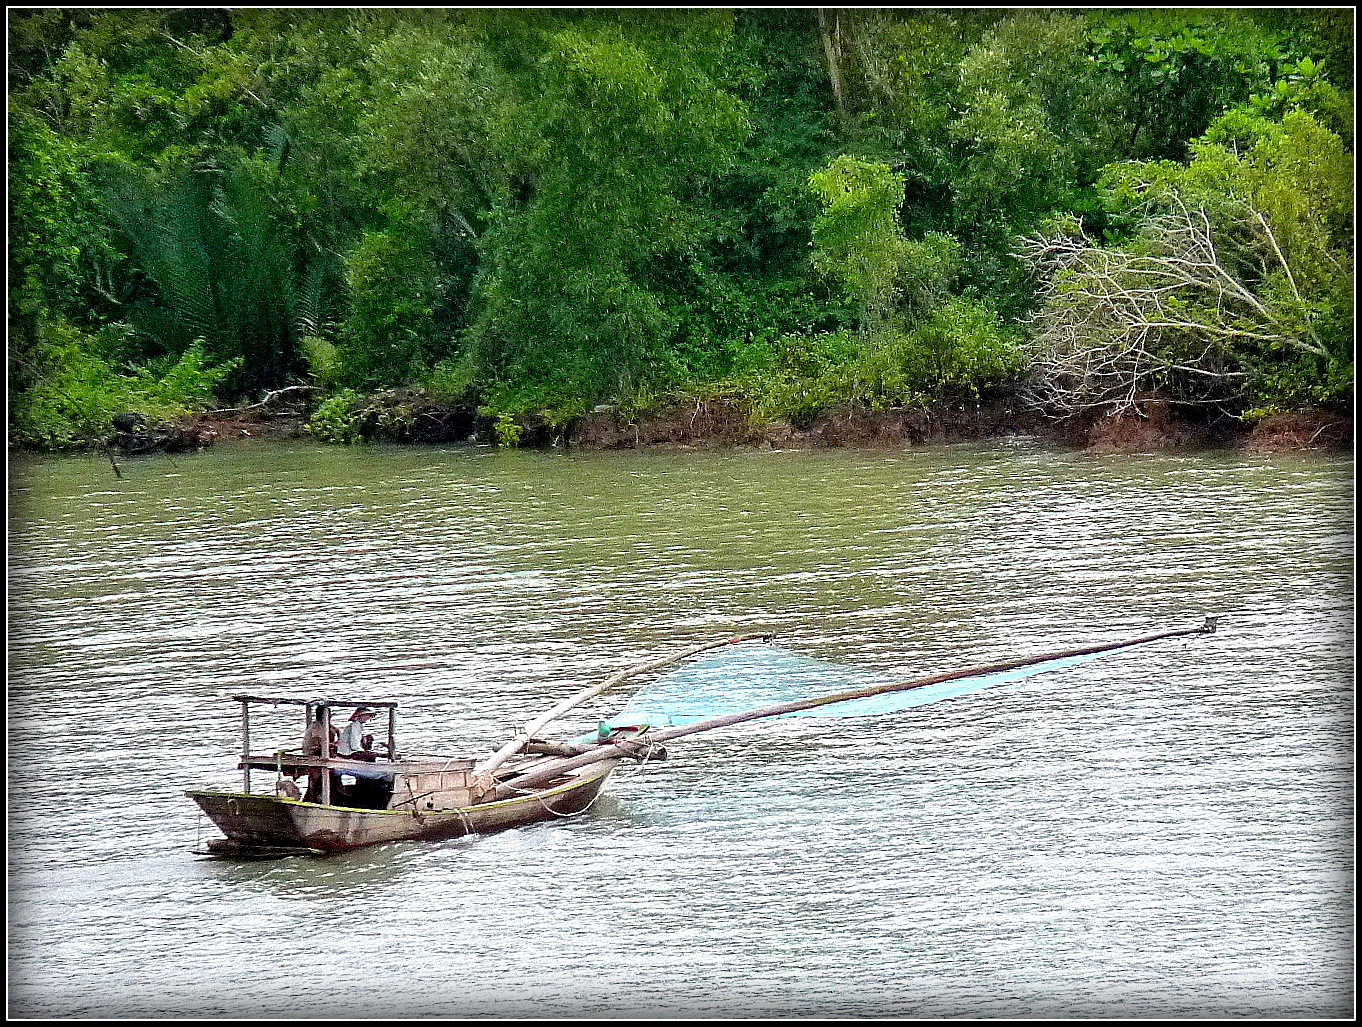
x: 323, y: 360
x: 392, y: 286
x: 805, y: 375
x: 73, y: 392
x: 338, y: 418
x: 961, y: 346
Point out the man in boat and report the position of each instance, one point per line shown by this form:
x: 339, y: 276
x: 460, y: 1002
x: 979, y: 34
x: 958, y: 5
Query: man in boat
x: 314, y: 734
x: 354, y: 744
x: 317, y: 741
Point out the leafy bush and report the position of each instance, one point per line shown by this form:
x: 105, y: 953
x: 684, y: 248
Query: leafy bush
x: 806, y: 374
x: 323, y: 360
x: 1301, y: 383
x: 392, y: 289
x: 338, y: 418
x: 73, y: 392
x: 508, y: 430
x: 961, y: 346
x: 449, y: 380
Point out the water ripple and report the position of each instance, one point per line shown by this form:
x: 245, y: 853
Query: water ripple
x: 1165, y: 832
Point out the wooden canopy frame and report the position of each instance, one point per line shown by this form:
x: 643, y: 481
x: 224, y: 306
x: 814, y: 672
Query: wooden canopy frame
x: 325, y: 705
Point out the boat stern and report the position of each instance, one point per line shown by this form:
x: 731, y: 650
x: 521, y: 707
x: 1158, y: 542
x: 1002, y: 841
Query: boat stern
x: 259, y: 821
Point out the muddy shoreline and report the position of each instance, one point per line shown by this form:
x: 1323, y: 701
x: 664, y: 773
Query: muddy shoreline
x: 694, y: 423
x: 1154, y: 428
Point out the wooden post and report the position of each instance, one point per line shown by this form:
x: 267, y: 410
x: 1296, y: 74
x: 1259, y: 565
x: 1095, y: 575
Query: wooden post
x: 392, y: 732
x: 245, y: 746
x: 326, y: 755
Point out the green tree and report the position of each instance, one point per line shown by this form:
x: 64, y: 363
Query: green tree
x: 388, y: 335
x: 857, y: 239
x: 919, y: 339
x: 59, y: 257
x: 630, y: 122
x: 1035, y: 121
x: 1179, y: 69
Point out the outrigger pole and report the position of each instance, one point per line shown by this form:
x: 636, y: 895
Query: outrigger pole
x: 516, y: 744
x: 632, y: 746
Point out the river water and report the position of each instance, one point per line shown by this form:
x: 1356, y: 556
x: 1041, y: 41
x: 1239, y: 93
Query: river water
x: 1166, y: 831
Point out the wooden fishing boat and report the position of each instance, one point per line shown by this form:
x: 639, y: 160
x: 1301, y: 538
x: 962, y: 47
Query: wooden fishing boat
x: 319, y: 803
x: 322, y: 802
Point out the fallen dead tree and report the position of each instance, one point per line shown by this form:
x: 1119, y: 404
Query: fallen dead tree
x: 268, y: 402
x: 1170, y: 315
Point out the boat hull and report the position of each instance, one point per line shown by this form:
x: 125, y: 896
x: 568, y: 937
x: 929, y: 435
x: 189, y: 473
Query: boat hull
x: 271, y: 824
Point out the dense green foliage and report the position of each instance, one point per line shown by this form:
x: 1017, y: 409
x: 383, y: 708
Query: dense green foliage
x: 533, y: 212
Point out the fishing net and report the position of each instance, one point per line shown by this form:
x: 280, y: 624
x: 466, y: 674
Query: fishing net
x: 738, y: 679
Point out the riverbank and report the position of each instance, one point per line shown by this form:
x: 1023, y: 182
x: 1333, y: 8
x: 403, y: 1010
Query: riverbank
x: 1154, y: 427
x: 1157, y: 428
x: 724, y: 422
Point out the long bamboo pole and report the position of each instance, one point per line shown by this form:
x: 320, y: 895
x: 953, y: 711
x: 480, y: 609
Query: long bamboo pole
x: 612, y: 750
x: 516, y: 744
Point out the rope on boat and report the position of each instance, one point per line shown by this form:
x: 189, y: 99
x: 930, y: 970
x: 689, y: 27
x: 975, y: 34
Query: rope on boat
x: 411, y: 798
x: 569, y: 816
x: 630, y: 747
x: 289, y: 790
x: 544, y: 803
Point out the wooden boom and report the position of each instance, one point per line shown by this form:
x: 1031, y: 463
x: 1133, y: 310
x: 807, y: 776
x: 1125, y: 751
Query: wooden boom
x: 516, y: 744
x: 614, y: 750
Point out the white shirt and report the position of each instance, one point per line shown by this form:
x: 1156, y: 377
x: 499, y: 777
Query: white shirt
x: 352, y: 738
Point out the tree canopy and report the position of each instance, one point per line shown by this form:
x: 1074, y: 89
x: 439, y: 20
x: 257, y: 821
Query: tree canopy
x: 535, y: 211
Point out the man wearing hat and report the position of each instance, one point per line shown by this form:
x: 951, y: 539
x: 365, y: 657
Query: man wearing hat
x: 354, y: 743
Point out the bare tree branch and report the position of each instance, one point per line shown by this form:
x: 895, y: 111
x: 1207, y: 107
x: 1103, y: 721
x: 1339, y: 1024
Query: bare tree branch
x: 1167, y: 315
x: 270, y: 397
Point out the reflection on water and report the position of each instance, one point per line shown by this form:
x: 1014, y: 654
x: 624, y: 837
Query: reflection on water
x: 1160, y: 832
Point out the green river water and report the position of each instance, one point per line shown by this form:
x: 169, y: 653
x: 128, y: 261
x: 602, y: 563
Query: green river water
x: 1163, y: 832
